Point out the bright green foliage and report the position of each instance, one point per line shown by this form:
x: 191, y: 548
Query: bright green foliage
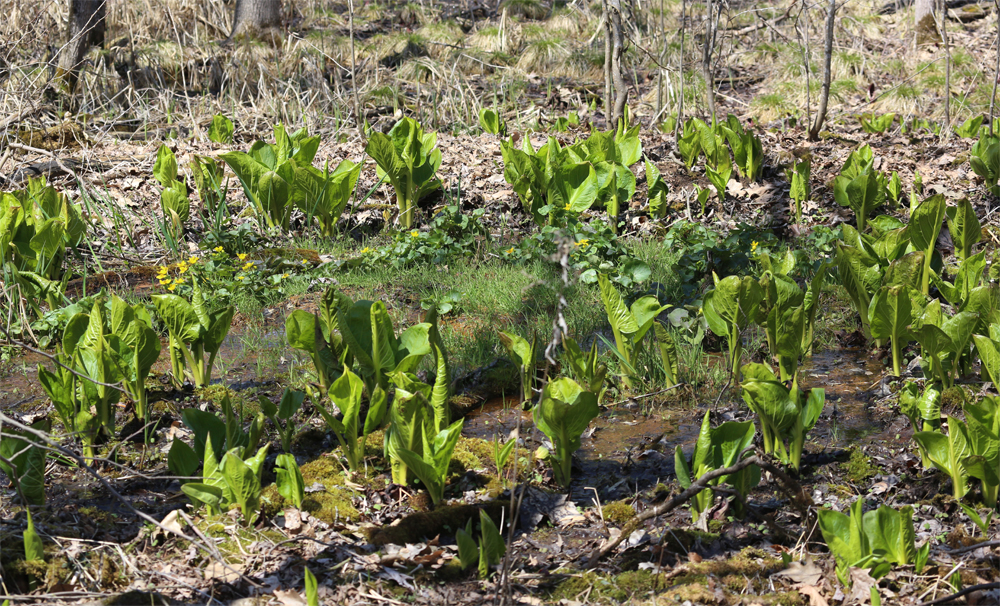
x: 629, y: 324
x: 90, y: 348
x: 782, y: 314
x: 491, y: 122
x: 889, y: 317
x: 407, y: 421
x: 657, y: 191
x: 221, y: 130
x: 668, y: 353
x: 137, y: 347
x: 231, y: 480
x: 501, y: 454
x: 866, y: 262
x: 964, y: 227
x: 23, y: 462
x: 554, y: 180
x: 346, y: 393
x: 227, y: 434
x: 37, y: 224
x: 895, y: 188
x: 195, y: 334
x: 970, y: 128
x: 945, y: 340
x: 715, y: 449
x: 718, y: 162
x: 982, y: 524
x: 859, y: 186
x: 785, y: 415
x: 611, y: 154
x: 491, y: 545
x: 587, y: 367
x: 989, y: 354
x: 968, y: 277
x: 524, y: 355
x: 281, y: 415
x: 729, y: 309
x: 811, y: 305
x: 871, y: 123
x: 431, y: 467
x: 689, y: 143
x: 312, y: 590
x: 875, y: 540
x: 323, y: 194
x: 983, y: 422
x: 747, y: 149
x: 925, y: 225
x: 289, y: 479
x: 65, y: 388
x: 371, y: 339
x: 268, y: 173
x: 317, y: 335
x: 409, y: 159
x: 985, y: 160
x: 563, y: 414
x: 34, y: 550
x: 174, y: 199
x: 947, y: 452
x: 923, y: 409
x: 800, y: 190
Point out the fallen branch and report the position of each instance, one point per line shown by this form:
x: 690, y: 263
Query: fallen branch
x: 948, y: 598
x: 968, y: 548
x: 800, y: 498
x: 697, y: 486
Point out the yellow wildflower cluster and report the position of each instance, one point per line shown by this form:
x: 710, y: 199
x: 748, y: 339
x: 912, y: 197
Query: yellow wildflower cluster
x: 583, y: 243
x: 753, y: 247
x: 217, y: 249
x: 366, y: 250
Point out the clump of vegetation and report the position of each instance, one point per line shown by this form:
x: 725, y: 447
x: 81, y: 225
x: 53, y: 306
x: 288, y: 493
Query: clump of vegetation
x: 618, y: 512
x: 860, y: 468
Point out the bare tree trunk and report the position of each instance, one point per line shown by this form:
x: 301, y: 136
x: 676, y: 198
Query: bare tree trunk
x: 824, y: 99
x: 617, y: 48
x: 86, y: 29
x: 996, y: 73
x: 680, y: 69
x: 706, y: 60
x: 947, y: 69
x: 254, y: 16
x: 925, y: 22
x: 607, y: 65
x: 359, y: 120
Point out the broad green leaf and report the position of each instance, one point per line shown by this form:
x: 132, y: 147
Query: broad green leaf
x: 289, y: 479
x: 34, y: 550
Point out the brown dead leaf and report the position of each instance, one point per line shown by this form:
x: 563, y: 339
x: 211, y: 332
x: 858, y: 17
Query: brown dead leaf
x: 861, y: 587
x: 293, y: 521
x: 812, y: 592
x: 289, y: 597
x: 805, y: 573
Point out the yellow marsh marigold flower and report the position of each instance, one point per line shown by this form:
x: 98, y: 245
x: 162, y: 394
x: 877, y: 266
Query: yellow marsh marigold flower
x: 182, y: 268
x: 192, y: 260
x: 171, y: 287
x: 510, y: 251
x: 414, y: 233
x: 753, y: 247
x: 241, y: 256
x: 240, y: 277
x: 247, y: 265
x: 583, y: 243
x: 217, y: 249
x: 284, y: 276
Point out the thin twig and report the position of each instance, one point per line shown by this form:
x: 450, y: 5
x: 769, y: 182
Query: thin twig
x: 958, y: 594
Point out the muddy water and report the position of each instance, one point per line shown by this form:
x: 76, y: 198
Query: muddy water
x: 631, y: 446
